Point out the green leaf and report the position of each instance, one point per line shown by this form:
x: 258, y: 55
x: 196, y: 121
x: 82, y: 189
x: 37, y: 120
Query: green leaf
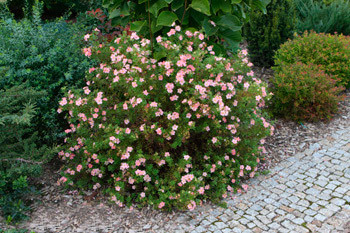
x: 177, y: 4
x: 169, y: 1
x: 223, y: 5
x: 115, y: 13
x: 155, y: 28
x: 166, y: 18
x: 202, y: 6
x: 137, y: 25
x: 260, y: 5
x: 106, y: 3
x: 154, y: 9
x: 233, y: 38
x: 159, y: 55
x: 236, y: 1
x: 125, y: 9
x: 230, y: 21
x: 209, y: 29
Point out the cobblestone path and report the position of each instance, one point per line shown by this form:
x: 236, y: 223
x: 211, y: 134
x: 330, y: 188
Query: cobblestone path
x: 309, y: 192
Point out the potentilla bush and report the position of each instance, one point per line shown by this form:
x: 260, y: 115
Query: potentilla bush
x: 331, y: 52
x: 305, y: 92
x: 168, y: 133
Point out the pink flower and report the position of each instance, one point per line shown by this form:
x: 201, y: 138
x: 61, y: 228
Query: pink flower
x: 161, y: 162
x: 169, y: 87
x: 245, y: 187
x: 159, y: 39
x: 86, y: 37
x: 64, y: 101
x: 159, y: 131
x: 171, y: 32
x: 127, y: 131
x: 186, y: 157
x: 167, y: 154
x: 124, y: 166
x: 201, y: 190
x: 79, y: 167
x: 214, y: 139
x: 201, y: 36
x: 161, y: 205
x: 191, y: 206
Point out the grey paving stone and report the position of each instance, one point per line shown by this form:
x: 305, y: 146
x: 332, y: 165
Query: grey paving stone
x: 221, y: 225
x: 320, y: 217
x: 298, y: 221
x: 310, y: 212
x: 338, y: 202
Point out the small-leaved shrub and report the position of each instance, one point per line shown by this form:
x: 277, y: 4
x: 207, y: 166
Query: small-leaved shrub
x: 266, y: 32
x: 304, y: 92
x: 168, y: 133
x: 331, y: 52
x: 45, y: 56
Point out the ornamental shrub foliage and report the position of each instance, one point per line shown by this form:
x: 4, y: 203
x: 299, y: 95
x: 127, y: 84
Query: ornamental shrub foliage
x: 305, y: 92
x: 328, y: 16
x: 266, y: 32
x: 331, y: 52
x: 168, y: 133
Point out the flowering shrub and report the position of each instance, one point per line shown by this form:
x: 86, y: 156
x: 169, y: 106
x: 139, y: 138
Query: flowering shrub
x: 168, y: 133
x: 305, y: 92
x: 331, y: 52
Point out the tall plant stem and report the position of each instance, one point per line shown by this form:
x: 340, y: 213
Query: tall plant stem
x: 183, y: 15
x: 150, y: 26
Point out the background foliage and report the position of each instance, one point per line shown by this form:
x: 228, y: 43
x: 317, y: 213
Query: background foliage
x: 20, y: 152
x: 266, y: 32
x: 53, y: 8
x: 318, y: 16
x: 46, y: 56
x: 219, y: 19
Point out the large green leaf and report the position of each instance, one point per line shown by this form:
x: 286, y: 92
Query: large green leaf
x: 115, y: 13
x: 260, y: 4
x: 166, y: 18
x: 137, y: 25
x: 154, y: 9
x: 209, y: 29
x: 177, y: 4
x: 233, y: 38
x: 154, y: 27
x: 125, y: 9
x: 230, y: 21
x: 202, y: 6
x: 224, y: 5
